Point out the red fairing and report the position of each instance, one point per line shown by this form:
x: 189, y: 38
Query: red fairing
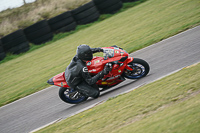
x: 97, y: 63
x: 59, y: 80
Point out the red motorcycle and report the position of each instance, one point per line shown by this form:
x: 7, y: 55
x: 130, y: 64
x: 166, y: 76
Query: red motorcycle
x: 117, y: 59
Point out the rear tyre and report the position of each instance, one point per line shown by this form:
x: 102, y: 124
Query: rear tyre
x: 140, y: 69
x: 71, y: 96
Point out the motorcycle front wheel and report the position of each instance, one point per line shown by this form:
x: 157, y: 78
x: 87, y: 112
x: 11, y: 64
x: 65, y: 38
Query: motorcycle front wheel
x: 71, y: 96
x: 140, y: 69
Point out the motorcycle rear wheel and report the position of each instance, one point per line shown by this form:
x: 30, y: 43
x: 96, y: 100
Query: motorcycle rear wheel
x: 71, y: 96
x: 140, y: 69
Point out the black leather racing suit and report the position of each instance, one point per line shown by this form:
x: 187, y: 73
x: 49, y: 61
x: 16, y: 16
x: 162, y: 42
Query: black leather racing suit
x: 78, y: 77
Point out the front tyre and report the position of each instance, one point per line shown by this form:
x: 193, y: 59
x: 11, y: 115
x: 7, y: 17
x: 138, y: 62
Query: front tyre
x: 140, y: 69
x: 71, y: 96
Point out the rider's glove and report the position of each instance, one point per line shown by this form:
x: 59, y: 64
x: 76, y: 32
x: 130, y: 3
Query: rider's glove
x: 105, y: 71
x: 94, y: 50
x: 100, y: 50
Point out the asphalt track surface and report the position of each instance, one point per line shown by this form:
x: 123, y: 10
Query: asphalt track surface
x: 45, y: 107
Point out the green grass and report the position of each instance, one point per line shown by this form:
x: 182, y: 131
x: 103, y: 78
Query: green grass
x: 169, y: 105
x: 132, y: 29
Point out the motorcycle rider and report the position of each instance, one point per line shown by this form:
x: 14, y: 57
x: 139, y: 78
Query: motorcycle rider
x: 77, y: 75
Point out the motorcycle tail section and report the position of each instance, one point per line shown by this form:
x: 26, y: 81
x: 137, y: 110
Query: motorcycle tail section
x: 58, y: 80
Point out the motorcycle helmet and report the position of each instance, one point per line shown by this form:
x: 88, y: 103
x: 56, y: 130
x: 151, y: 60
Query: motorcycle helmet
x: 84, y: 52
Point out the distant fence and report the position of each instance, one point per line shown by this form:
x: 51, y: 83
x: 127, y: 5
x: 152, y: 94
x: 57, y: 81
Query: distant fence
x: 43, y: 31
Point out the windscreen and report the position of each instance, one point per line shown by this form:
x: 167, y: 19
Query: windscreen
x: 108, y: 53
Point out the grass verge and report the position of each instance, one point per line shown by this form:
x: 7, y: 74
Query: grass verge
x: 132, y: 29
x: 170, y: 105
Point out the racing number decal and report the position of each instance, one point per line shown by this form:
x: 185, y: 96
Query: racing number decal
x: 85, y: 69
